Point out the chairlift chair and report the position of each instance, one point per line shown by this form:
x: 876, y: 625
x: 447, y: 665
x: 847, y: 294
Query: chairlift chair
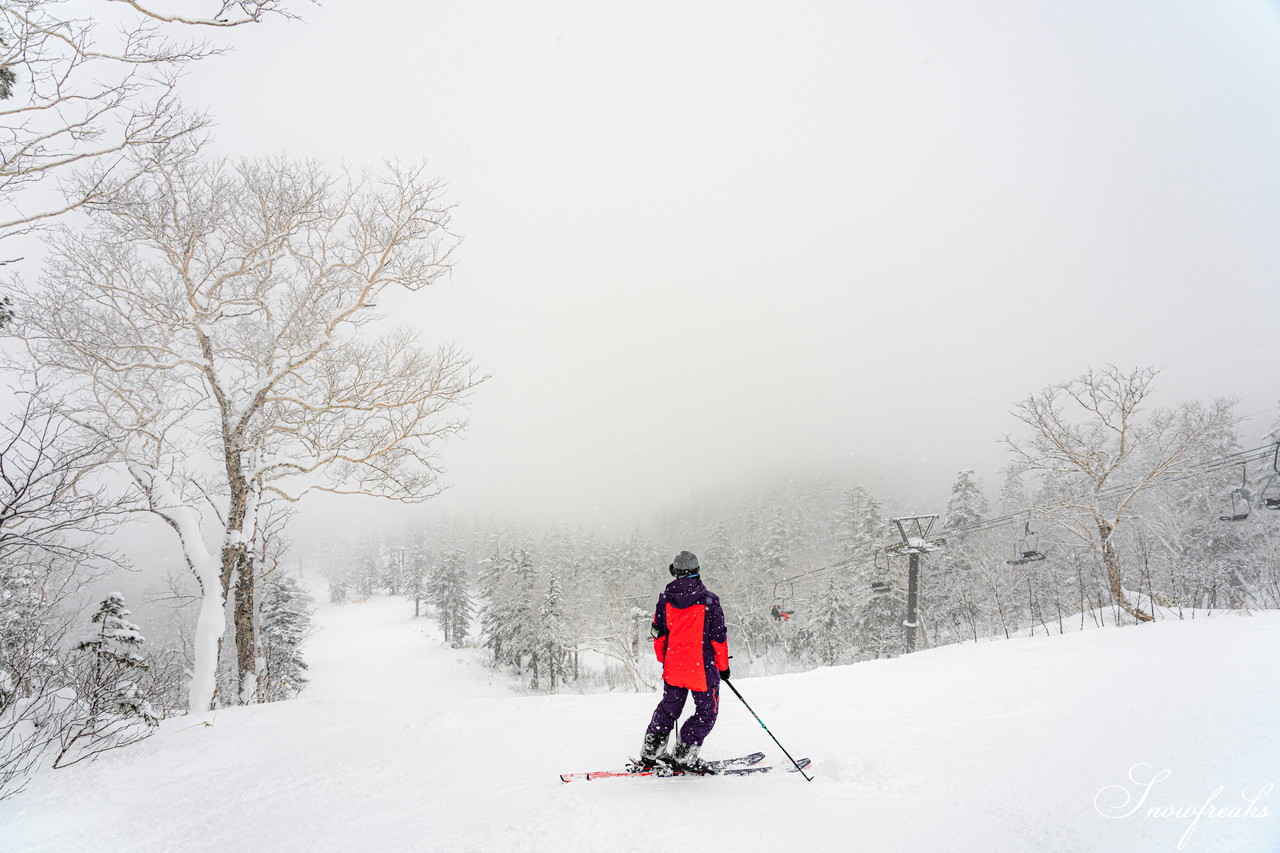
x: 784, y: 601
x: 1027, y: 548
x: 1240, y: 505
x: 880, y: 586
x: 1269, y: 494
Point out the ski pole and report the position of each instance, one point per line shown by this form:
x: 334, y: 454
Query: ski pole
x: 766, y: 730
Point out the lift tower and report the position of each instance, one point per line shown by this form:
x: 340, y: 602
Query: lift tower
x: 914, y: 531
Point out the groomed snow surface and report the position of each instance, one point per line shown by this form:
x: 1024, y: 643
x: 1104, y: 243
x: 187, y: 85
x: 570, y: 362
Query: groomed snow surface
x: 402, y: 743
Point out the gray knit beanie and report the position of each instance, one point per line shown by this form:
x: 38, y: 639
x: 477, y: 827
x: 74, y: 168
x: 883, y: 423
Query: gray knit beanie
x: 684, y: 564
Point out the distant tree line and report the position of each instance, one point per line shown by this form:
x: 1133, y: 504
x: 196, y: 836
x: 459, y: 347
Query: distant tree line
x: 1110, y: 512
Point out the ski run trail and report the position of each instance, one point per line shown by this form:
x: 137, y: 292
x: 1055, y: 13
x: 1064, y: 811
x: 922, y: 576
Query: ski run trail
x: 1160, y: 737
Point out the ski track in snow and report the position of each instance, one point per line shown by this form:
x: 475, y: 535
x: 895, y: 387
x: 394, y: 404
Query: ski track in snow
x: 401, y: 743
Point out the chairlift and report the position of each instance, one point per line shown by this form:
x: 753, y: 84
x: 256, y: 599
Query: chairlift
x: 1027, y: 548
x: 1269, y: 494
x: 784, y: 601
x: 880, y: 586
x: 1240, y: 505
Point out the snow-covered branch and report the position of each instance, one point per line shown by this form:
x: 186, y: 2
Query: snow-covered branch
x: 98, y: 90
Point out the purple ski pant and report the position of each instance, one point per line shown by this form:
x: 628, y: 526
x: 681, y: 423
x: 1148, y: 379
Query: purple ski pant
x: 706, y: 705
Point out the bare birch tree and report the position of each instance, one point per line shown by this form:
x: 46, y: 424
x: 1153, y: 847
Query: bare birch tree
x: 212, y: 324
x: 1097, y: 451
x: 82, y: 88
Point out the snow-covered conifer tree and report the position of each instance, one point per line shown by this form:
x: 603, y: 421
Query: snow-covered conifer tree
x: 860, y: 522
x: 417, y: 568
x: 395, y: 565
x: 777, y: 543
x: 875, y: 524
x: 286, y: 621
x: 108, y: 709
x: 952, y: 589
x: 721, y: 558
x: 448, y: 590
x: 116, y: 639
x: 521, y: 611
x: 967, y: 505
x: 847, y: 521
x: 339, y: 589
x: 1013, y: 492
x: 500, y: 607
x: 553, y: 639
x: 368, y: 570
x: 832, y: 625
x: 879, y: 626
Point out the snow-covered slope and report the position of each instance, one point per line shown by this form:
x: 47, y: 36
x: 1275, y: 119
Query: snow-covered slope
x: 402, y: 743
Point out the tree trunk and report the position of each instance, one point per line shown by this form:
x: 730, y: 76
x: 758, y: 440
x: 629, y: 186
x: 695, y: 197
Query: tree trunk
x: 212, y: 619
x: 1111, y: 562
x: 246, y: 645
x: 210, y: 625
x: 237, y: 571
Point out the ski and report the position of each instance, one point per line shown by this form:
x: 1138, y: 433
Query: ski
x: 720, y: 763
x: 663, y: 770
x: 741, y: 761
x: 744, y: 771
x: 729, y: 767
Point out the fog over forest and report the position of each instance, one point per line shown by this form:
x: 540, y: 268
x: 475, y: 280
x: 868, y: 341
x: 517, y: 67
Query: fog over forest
x: 706, y: 247
x: 705, y: 252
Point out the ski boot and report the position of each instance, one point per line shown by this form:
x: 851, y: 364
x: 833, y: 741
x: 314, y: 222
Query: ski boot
x: 684, y: 759
x: 653, y: 755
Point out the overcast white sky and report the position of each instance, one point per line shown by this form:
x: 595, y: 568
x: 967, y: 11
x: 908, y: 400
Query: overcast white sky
x: 706, y: 240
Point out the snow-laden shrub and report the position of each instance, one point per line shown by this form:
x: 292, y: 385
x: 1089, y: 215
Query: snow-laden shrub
x: 105, y: 709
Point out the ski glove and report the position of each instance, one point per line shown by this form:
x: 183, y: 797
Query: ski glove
x: 724, y: 674
x: 656, y: 632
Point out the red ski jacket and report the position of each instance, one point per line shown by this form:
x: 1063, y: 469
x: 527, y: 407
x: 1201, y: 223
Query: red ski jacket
x: 690, y: 640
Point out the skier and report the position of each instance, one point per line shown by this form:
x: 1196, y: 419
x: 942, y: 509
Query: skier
x: 690, y: 642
